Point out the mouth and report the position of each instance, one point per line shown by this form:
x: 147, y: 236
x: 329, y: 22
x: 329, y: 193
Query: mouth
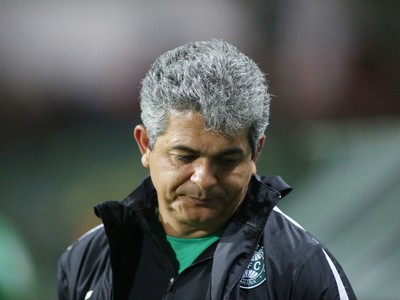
x: 200, y: 201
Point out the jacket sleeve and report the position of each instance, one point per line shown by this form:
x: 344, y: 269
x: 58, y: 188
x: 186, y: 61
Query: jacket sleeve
x: 84, y: 268
x: 62, y: 281
x: 320, y: 276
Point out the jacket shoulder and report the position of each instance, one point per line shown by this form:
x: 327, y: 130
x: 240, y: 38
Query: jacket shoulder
x: 286, y: 241
x: 83, y: 265
x: 303, y: 265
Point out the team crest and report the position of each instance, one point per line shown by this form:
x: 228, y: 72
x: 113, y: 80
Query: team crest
x: 255, y: 272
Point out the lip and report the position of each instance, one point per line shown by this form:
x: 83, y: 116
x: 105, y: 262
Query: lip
x: 200, y: 201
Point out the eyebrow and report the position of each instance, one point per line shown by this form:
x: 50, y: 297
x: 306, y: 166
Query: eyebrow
x: 225, y: 152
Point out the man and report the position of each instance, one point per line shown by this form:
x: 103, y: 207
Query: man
x: 203, y: 225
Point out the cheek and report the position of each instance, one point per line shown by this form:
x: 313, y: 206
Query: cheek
x: 168, y: 178
x: 239, y: 181
x: 243, y: 174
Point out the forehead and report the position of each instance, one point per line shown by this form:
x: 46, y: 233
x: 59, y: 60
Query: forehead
x: 188, y: 128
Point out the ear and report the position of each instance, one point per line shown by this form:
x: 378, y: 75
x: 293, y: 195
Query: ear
x: 142, y: 140
x: 253, y: 168
x: 260, y: 145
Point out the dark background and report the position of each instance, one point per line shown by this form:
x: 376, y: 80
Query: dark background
x: 69, y: 80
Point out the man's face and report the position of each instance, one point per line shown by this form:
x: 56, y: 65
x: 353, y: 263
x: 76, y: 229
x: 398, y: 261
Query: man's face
x: 201, y: 177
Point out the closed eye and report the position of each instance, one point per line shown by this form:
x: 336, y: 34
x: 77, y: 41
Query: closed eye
x: 185, y: 158
x: 228, y: 162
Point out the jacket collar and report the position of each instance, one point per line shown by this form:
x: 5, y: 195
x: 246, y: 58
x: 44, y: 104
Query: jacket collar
x: 243, y: 234
x: 233, y: 252
x: 263, y: 194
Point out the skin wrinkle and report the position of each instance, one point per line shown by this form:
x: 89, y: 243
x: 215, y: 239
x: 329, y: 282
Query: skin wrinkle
x: 205, y: 107
x: 201, y: 177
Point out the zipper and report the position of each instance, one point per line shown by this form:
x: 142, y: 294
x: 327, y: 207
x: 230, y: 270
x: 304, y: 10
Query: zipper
x: 173, y: 279
x: 171, y: 284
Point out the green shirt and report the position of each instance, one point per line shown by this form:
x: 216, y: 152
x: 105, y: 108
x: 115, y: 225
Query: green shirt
x: 182, y: 251
x: 188, y: 249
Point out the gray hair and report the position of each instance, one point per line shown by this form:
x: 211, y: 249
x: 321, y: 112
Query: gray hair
x: 210, y: 77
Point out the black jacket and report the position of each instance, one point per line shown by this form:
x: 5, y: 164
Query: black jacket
x: 254, y: 259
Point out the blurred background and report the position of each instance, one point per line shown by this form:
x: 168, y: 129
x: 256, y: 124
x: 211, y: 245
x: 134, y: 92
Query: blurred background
x: 69, y: 80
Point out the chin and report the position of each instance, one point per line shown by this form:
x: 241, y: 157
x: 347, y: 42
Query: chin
x: 201, y: 220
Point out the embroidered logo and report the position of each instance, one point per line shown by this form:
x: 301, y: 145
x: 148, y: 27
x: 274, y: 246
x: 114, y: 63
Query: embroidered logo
x: 255, y: 272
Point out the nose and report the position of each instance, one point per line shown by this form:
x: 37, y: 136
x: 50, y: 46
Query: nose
x: 204, y: 174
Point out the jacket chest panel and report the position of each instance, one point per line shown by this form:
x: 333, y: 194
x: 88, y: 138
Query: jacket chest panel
x: 156, y: 277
